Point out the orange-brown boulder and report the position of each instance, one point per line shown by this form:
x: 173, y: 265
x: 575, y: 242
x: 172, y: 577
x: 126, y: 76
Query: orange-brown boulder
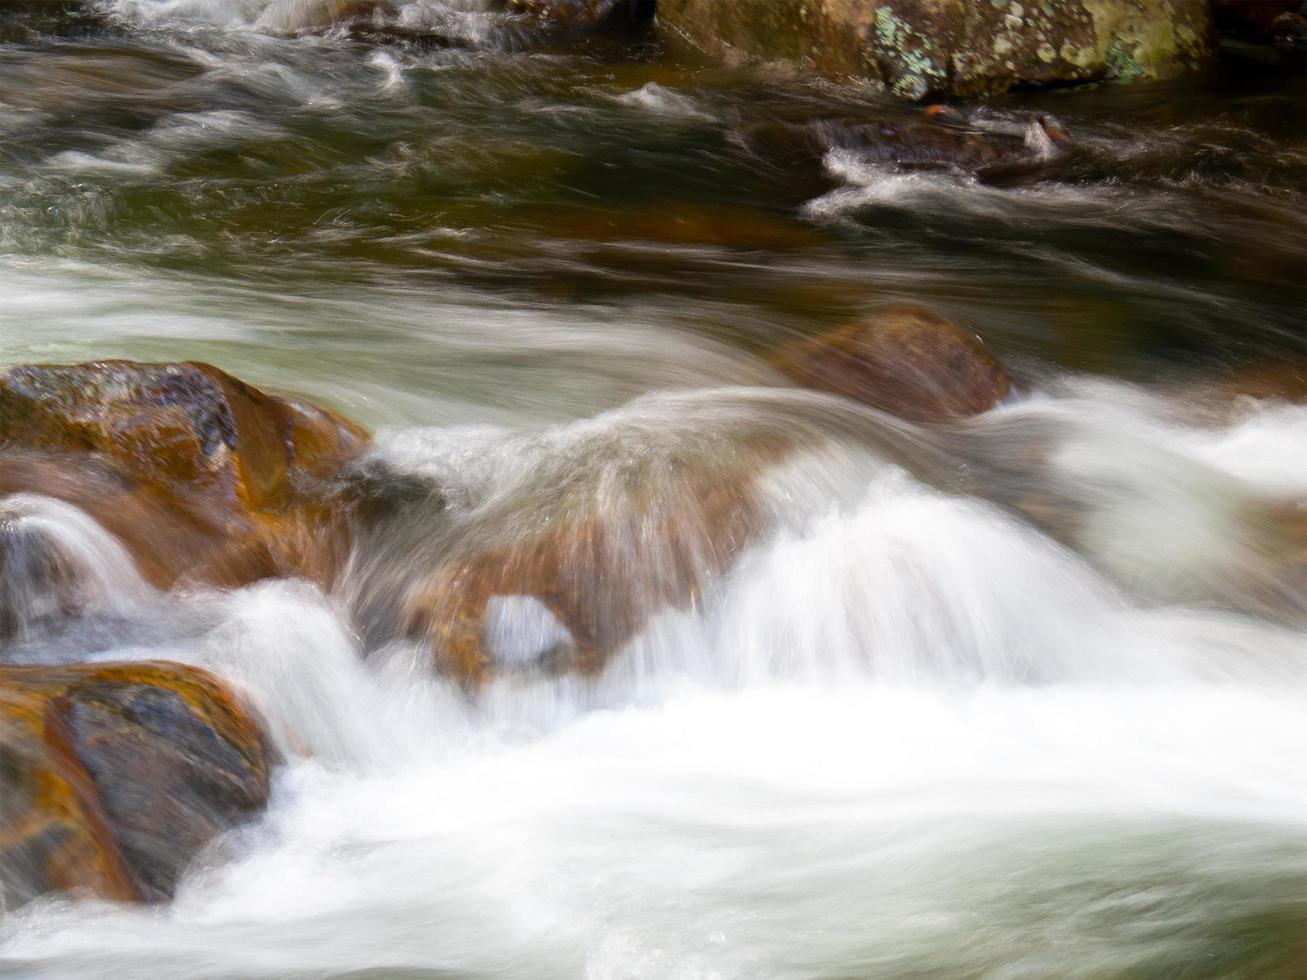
x: 1226, y: 395
x: 200, y: 475
x: 903, y: 359
x: 580, y: 588
x: 559, y: 582
x: 113, y: 777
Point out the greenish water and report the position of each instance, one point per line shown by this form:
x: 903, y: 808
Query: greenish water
x: 181, y: 166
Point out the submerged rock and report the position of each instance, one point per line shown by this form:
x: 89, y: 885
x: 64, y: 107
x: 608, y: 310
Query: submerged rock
x: 587, y: 14
x: 197, y: 473
x: 672, y: 224
x: 549, y: 552
x: 290, y: 16
x: 963, y: 47
x: 902, y: 359
x: 113, y: 777
x: 1252, y: 19
x: 566, y: 596
x: 944, y: 139
x: 1224, y: 397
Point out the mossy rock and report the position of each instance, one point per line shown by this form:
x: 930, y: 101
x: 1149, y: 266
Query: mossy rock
x: 918, y: 48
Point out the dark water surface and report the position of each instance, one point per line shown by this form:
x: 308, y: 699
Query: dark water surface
x: 460, y: 152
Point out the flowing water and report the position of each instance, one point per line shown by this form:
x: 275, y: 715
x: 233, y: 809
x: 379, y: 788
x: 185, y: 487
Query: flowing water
x: 1020, y: 697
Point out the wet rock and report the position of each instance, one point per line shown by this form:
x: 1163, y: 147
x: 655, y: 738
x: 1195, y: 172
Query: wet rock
x: 189, y: 424
x: 902, y: 359
x: 565, y: 597
x: 113, y: 777
x: 944, y: 113
x: 1251, y: 19
x: 944, y: 139
x: 1277, y: 580
x: 587, y: 14
x: 291, y: 16
x: 963, y: 47
x: 170, y: 542
x: 25, y: 21
x: 199, y: 474
x: 948, y: 143
x: 1223, y: 398
x: 39, y: 584
x: 1289, y: 35
x: 555, y: 556
x: 677, y: 224
x: 917, y: 146
x: 1260, y: 36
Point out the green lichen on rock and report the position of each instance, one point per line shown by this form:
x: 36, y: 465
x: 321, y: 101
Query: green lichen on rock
x: 920, y: 48
x: 1121, y: 63
x: 917, y: 70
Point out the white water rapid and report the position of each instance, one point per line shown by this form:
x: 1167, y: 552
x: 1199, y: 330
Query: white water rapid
x: 907, y: 734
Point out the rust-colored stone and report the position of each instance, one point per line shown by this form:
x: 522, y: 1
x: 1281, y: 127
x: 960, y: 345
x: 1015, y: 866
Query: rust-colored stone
x: 902, y: 359
x: 201, y: 476
x: 114, y: 776
x: 601, y: 571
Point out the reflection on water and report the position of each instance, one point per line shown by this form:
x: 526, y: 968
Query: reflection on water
x: 1021, y: 696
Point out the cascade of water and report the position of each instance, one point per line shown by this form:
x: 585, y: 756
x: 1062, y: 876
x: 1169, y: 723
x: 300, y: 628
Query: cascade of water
x: 56, y: 561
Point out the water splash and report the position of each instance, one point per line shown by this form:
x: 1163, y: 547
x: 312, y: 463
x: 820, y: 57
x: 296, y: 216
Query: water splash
x: 58, y: 562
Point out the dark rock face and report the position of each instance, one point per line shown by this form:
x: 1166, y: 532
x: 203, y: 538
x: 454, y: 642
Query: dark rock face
x: 902, y: 359
x: 961, y: 47
x: 114, y: 776
x: 588, y: 14
x: 1251, y: 19
x: 196, y: 472
x: 23, y: 21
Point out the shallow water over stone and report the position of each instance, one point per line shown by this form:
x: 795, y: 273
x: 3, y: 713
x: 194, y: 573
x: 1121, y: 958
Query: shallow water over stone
x: 772, y: 683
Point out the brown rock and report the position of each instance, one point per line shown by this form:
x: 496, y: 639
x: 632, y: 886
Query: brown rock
x: 1251, y: 18
x: 291, y: 16
x: 941, y: 141
x: 599, y: 577
x: 902, y: 359
x: 1222, y: 398
x: 114, y: 776
x: 190, y: 424
x: 586, y: 14
x: 200, y: 475
x: 674, y: 224
x: 560, y: 582
x: 917, y: 48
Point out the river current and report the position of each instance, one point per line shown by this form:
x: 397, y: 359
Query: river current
x: 1023, y: 696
